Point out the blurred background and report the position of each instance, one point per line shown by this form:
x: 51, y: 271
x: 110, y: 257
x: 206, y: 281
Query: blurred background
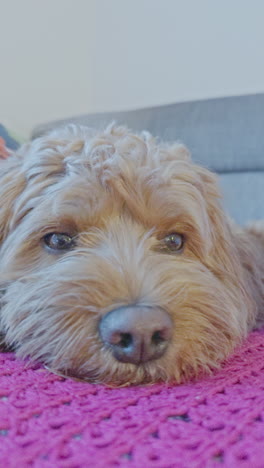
x: 61, y: 58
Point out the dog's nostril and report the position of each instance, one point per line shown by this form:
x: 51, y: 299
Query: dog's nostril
x: 157, y: 338
x: 125, y: 341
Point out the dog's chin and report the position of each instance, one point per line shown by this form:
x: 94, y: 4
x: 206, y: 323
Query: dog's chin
x: 140, y: 375
x: 116, y: 374
x: 170, y: 369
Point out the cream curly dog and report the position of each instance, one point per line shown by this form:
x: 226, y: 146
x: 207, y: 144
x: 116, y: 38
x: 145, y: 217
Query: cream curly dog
x: 117, y: 262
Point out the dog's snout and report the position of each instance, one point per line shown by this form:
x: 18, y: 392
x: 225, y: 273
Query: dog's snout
x: 136, y: 334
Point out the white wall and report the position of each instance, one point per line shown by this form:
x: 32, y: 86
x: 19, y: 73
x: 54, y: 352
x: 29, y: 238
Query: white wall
x: 45, y: 60
x: 65, y: 57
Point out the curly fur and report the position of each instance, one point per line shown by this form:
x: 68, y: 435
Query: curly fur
x: 120, y: 194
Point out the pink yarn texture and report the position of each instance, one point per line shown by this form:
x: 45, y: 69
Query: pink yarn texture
x: 50, y: 422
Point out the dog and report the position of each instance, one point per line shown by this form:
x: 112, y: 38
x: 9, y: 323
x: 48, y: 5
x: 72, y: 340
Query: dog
x: 118, y: 264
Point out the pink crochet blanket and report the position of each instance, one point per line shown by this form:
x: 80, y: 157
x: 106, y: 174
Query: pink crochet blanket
x: 49, y: 422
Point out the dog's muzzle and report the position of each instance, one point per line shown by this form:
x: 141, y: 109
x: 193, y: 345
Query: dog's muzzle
x: 136, y: 334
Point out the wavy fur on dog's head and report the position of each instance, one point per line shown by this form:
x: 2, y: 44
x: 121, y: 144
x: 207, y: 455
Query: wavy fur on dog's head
x: 119, y: 194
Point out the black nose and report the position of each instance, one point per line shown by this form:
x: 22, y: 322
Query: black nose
x: 136, y: 334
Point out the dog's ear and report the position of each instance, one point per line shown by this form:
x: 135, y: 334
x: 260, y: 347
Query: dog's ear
x: 12, y: 183
x: 32, y: 166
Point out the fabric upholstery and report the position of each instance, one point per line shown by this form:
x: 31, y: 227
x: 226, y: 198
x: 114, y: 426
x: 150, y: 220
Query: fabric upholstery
x: 225, y: 135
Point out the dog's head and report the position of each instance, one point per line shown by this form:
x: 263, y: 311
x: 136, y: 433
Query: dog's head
x: 117, y: 263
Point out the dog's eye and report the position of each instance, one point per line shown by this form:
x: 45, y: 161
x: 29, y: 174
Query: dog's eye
x: 59, y: 241
x: 174, y: 242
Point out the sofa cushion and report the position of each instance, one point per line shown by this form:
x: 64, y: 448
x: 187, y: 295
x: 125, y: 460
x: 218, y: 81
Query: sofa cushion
x: 225, y: 135
x: 243, y: 196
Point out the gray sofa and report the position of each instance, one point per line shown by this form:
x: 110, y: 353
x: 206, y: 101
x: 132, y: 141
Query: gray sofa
x: 225, y: 135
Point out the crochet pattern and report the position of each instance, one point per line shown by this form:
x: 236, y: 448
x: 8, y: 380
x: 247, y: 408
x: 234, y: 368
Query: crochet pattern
x: 47, y: 421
